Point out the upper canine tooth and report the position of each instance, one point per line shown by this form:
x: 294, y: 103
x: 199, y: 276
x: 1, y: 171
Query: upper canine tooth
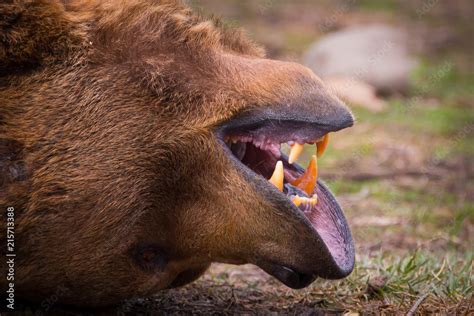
x: 295, y: 152
x: 278, y: 175
x: 322, y: 145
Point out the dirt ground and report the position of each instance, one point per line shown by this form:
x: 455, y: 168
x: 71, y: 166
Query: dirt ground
x: 404, y: 176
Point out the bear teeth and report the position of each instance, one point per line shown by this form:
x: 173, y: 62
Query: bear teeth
x: 295, y: 152
x: 322, y: 145
x: 278, y: 176
x: 302, y: 200
x: 306, y: 182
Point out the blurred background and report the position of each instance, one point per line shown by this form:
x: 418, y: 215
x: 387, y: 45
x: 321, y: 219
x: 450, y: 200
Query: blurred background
x: 403, y: 174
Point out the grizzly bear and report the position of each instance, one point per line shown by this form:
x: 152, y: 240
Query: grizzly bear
x: 140, y: 142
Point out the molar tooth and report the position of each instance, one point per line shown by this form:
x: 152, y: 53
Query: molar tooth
x: 322, y: 145
x: 314, y: 200
x: 295, y: 152
x: 278, y: 175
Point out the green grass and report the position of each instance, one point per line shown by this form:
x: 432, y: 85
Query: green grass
x: 419, y: 117
x: 297, y: 41
x: 462, y: 214
x: 400, y: 281
x: 341, y: 186
x: 442, y: 79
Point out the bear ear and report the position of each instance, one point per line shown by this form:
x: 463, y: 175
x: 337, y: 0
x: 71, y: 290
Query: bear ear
x: 33, y: 33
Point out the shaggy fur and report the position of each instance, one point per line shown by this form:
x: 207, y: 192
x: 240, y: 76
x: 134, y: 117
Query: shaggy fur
x: 108, y: 151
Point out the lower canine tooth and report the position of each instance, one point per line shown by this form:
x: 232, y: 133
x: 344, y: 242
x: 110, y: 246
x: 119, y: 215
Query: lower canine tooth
x: 295, y: 152
x: 322, y: 145
x: 278, y: 175
x: 307, y: 182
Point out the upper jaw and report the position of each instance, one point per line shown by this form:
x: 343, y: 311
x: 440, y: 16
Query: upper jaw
x: 281, y: 120
x: 328, y: 251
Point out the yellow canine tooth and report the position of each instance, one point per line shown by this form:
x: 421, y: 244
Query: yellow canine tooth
x: 278, y: 175
x: 307, y: 182
x: 322, y: 145
x: 295, y: 152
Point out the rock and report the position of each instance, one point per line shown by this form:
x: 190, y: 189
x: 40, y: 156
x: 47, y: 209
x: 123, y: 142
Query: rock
x: 375, y: 54
x: 356, y: 93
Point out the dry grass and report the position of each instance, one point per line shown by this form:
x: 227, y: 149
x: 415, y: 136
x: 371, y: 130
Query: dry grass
x: 379, y: 284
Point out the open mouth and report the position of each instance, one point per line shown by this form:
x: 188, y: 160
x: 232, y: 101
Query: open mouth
x: 265, y: 158
x: 255, y: 147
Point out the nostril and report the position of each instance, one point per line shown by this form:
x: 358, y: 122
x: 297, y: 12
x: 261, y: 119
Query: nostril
x: 288, y: 276
x: 291, y: 277
x: 305, y: 279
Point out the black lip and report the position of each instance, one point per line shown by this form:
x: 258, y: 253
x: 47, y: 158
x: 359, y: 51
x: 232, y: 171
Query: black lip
x: 281, y: 122
x: 337, y: 118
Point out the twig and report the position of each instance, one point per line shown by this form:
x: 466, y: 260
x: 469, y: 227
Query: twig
x: 417, y: 304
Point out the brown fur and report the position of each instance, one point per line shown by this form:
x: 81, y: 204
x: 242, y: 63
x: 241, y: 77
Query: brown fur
x: 107, y: 112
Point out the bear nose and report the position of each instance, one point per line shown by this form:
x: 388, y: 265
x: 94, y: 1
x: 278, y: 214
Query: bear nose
x: 290, y: 277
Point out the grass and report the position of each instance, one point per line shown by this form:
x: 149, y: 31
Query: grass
x: 421, y: 117
x: 463, y: 214
x: 383, y: 283
x: 399, y: 281
x: 443, y: 79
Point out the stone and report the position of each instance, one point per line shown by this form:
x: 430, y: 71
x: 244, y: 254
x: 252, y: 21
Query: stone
x: 376, y: 54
